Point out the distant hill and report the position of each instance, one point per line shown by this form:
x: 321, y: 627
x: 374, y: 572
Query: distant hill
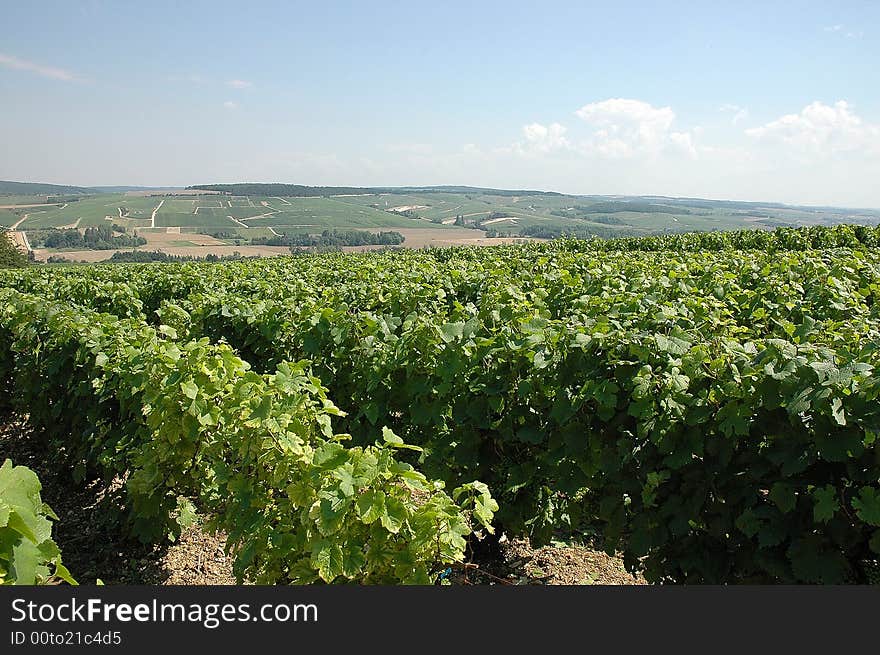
x: 40, y: 189
x: 123, y: 189
x: 473, y: 189
x: 302, y: 191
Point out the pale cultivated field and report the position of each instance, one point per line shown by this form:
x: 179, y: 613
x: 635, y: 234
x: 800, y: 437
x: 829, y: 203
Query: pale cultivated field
x: 191, y: 251
x: 418, y: 237
x: 164, y: 240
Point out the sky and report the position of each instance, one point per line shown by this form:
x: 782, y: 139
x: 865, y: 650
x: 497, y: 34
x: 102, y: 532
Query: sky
x: 774, y: 101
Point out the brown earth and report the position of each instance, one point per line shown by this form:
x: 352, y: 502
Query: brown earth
x: 42, y: 254
x: 94, y: 546
x: 418, y: 237
x: 18, y: 238
x: 161, y: 239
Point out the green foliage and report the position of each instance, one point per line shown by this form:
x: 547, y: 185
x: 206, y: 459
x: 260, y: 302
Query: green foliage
x: 709, y: 402
x: 37, y: 188
x: 28, y: 556
x: 102, y: 237
x: 190, y: 420
x: 333, y: 238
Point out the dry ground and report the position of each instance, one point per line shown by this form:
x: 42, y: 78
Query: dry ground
x: 92, y: 545
x: 418, y: 237
x: 95, y: 547
x: 163, y: 240
x: 18, y: 238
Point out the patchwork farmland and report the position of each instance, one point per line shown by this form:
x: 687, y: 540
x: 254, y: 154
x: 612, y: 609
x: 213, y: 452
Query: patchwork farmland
x: 240, y: 221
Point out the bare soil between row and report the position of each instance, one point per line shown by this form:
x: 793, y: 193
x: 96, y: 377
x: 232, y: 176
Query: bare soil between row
x: 94, y: 547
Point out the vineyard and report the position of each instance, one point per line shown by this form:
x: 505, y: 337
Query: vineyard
x: 707, y: 403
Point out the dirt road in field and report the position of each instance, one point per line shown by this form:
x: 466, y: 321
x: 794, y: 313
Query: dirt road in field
x: 71, y: 226
x: 20, y: 239
x: 156, y: 211
x: 19, y: 222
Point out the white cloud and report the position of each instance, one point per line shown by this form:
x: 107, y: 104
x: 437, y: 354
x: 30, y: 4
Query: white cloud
x: 821, y: 129
x: 683, y: 141
x: 544, y: 138
x: 739, y: 113
x: 239, y: 84
x: 841, y: 29
x: 230, y: 105
x: 52, y: 72
x: 624, y: 128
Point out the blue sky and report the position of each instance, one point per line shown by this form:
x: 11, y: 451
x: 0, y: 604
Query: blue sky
x: 775, y: 101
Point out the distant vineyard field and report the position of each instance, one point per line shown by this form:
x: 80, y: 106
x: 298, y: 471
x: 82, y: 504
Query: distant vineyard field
x: 494, y: 213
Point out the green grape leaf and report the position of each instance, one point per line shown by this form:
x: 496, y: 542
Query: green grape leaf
x: 867, y: 505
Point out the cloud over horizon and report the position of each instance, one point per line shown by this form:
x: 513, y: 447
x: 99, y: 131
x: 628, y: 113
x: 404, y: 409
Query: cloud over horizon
x: 820, y: 129
x: 624, y: 127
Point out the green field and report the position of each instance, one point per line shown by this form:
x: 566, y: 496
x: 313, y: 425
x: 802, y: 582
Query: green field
x: 202, y: 219
x: 497, y: 213
x: 9, y: 217
x: 20, y: 199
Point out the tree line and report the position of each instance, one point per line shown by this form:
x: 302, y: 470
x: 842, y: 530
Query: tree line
x: 333, y: 238
x: 101, y: 237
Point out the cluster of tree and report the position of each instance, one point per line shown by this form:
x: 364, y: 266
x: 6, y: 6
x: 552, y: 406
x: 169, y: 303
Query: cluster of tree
x: 333, y: 238
x: 221, y: 234
x: 608, y: 220
x: 54, y: 200
x: 473, y: 223
x: 92, y: 238
x: 10, y: 255
x: 144, y: 256
x: 494, y: 233
x: 408, y: 213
